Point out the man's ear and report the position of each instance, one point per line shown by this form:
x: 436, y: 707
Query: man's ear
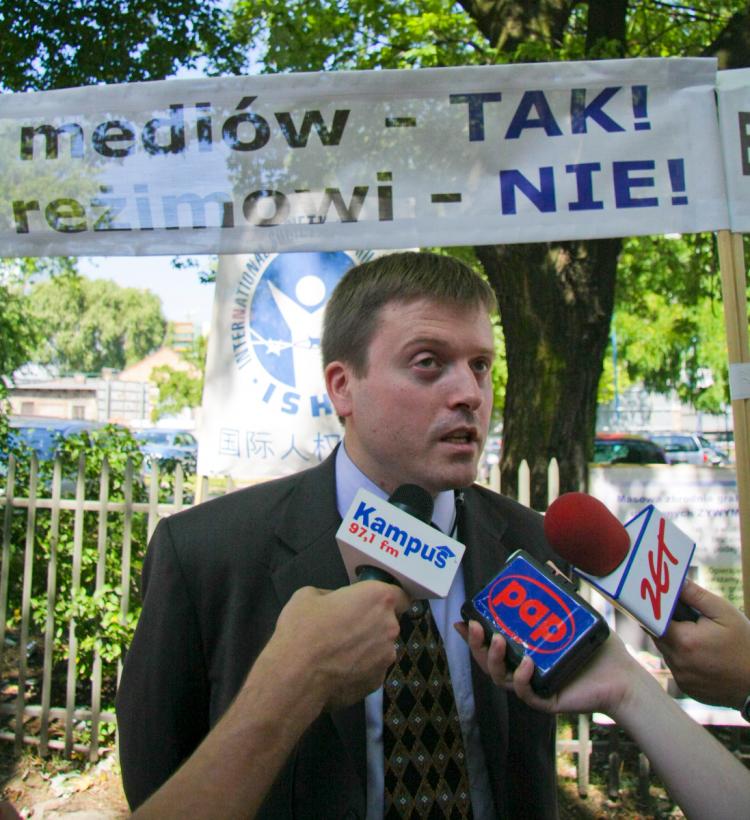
x: 338, y: 383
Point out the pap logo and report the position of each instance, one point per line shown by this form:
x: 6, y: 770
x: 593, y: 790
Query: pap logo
x: 277, y: 316
x: 533, y: 612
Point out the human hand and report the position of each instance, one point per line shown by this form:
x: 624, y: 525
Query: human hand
x: 344, y: 640
x: 8, y: 811
x: 602, y: 684
x: 709, y: 658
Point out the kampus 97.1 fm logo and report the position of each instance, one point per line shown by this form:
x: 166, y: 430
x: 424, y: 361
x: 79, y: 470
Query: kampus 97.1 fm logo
x: 277, y: 316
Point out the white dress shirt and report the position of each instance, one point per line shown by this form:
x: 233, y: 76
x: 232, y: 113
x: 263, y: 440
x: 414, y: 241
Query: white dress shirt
x: 445, y: 612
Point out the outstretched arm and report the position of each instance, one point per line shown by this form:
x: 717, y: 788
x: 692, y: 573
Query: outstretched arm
x: 703, y: 777
x: 329, y: 649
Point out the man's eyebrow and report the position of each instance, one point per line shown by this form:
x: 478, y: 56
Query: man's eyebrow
x: 442, y: 341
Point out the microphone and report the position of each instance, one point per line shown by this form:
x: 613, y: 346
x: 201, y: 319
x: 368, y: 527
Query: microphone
x: 393, y: 541
x: 540, y: 614
x: 640, y: 566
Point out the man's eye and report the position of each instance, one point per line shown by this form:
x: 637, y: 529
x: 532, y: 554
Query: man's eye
x: 426, y: 362
x: 482, y: 366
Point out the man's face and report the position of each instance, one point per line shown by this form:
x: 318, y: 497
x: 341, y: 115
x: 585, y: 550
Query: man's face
x: 421, y: 413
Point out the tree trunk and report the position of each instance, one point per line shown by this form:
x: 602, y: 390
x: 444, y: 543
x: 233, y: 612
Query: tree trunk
x: 555, y: 299
x: 555, y: 304
x: 732, y: 46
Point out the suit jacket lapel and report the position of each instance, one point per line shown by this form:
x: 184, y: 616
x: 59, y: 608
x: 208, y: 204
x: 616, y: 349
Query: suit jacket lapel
x: 307, y: 528
x: 481, y: 528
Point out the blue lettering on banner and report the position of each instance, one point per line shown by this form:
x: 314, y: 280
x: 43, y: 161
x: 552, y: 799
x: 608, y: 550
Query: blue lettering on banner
x: 262, y: 445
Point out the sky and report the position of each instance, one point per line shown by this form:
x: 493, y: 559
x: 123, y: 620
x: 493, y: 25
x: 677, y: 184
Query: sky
x: 183, y: 296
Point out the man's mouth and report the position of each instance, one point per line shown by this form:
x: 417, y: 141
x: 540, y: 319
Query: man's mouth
x: 467, y: 436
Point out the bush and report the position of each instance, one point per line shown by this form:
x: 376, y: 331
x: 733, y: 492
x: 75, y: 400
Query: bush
x: 78, y: 556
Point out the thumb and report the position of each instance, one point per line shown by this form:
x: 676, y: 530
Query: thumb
x: 708, y: 604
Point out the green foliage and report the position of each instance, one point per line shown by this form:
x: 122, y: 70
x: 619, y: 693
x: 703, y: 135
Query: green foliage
x: 205, y: 266
x: 84, y: 42
x: 656, y: 28
x: 179, y: 389
x: 670, y: 325
x: 91, y: 603
x: 91, y: 324
x: 316, y: 35
x: 20, y: 330
x: 305, y: 35
x: 94, y: 601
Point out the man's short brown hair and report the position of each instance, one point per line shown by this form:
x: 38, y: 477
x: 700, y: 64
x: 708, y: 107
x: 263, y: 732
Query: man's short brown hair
x: 353, y: 311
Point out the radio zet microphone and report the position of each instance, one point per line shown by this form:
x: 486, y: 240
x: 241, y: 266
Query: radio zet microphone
x: 540, y: 614
x: 385, y: 540
x: 640, y: 566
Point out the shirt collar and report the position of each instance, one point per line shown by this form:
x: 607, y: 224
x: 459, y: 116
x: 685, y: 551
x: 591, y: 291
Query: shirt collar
x: 349, y: 479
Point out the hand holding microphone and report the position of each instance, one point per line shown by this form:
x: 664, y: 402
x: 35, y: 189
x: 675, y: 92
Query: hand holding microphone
x: 710, y: 660
x: 341, y: 641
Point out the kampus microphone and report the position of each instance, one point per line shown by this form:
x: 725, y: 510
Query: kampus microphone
x: 640, y: 566
x: 393, y: 541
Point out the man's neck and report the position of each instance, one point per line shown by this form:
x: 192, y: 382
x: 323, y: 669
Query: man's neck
x: 349, y: 479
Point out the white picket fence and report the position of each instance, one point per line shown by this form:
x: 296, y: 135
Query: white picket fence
x: 28, y: 714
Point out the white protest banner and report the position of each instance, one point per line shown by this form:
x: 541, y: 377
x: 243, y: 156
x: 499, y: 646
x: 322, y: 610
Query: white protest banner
x: 733, y: 94
x: 265, y: 409
x: 386, y: 159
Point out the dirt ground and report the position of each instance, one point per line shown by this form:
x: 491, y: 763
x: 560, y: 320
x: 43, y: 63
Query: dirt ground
x: 57, y: 789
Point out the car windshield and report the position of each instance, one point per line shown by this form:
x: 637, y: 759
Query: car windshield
x: 184, y: 440
x: 40, y: 439
x: 609, y: 451
x: 154, y: 437
x: 676, y: 444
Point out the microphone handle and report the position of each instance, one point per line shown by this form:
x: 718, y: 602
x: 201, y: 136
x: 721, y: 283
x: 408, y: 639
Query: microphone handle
x: 370, y: 573
x: 683, y: 612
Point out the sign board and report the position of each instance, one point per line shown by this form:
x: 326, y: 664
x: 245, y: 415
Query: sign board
x: 265, y: 409
x: 368, y: 159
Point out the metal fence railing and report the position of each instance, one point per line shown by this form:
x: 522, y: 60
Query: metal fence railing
x: 72, y: 548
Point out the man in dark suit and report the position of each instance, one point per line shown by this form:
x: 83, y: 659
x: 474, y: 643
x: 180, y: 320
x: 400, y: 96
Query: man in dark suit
x: 407, y: 352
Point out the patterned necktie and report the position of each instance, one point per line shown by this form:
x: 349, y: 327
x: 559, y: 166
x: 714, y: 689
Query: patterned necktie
x: 425, y: 761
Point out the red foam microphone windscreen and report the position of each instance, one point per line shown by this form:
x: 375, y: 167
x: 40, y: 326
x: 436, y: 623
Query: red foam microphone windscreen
x: 583, y: 531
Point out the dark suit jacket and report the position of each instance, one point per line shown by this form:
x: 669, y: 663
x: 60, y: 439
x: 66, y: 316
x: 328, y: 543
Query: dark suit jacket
x: 214, y: 581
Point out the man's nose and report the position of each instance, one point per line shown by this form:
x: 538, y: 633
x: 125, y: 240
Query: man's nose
x: 466, y: 390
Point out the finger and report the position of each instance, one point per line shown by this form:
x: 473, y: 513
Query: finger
x: 496, y: 665
x: 473, y: 634
x: 522, y: 686
x: 708, y: 604
x: 524, y: 672
x: 403, y: 601
x: 462, y: 629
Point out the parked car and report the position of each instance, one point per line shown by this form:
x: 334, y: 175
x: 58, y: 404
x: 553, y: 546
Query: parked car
x: 627, y: 448
x: 165, y: 444
x: 42, y: 434
x: 690, y: 448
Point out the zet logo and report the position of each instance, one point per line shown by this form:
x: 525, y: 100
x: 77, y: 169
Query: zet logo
x: 532, y: 612
x: 277, y: 315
